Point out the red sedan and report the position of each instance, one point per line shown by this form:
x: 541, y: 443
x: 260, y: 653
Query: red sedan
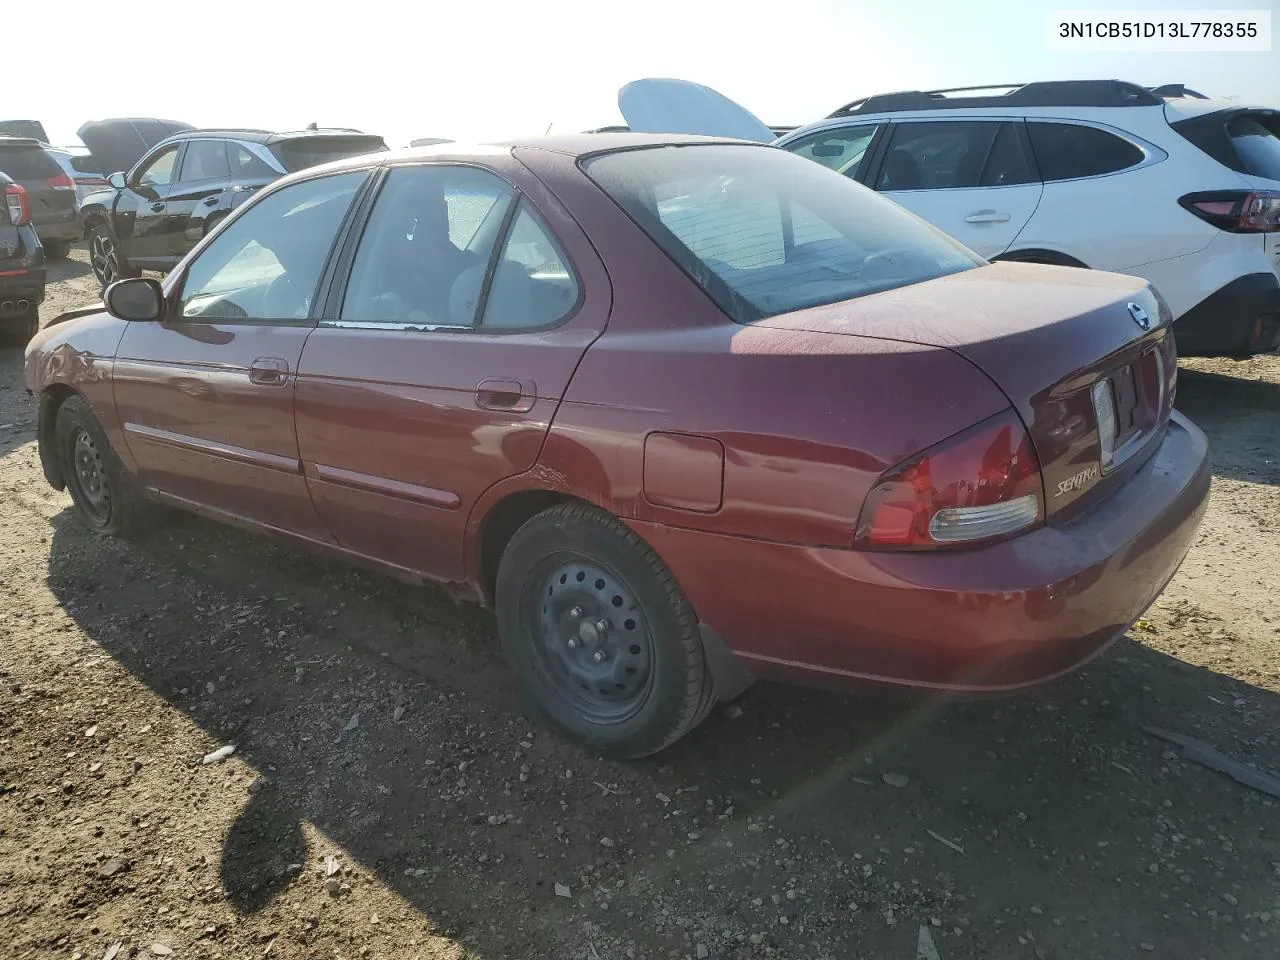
x: 685, y: 411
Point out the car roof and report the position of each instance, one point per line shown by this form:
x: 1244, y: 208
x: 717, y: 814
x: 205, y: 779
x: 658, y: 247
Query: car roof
x: 1185, y: 109
x: 582, y: 144
x: 263, y: 136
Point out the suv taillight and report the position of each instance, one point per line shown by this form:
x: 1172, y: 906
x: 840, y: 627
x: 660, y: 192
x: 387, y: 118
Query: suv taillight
x: 1237, y: 211
x: 980, y: 485
x: 15, y: 198
x: 62, y: 181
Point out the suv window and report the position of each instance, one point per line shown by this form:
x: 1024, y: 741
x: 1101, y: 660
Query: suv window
x: 204, y: 160
x: 1068, y: 151
x: 425, y: 251
x: 843, y: 150
x: 532, y: 285
x: 159, y: 171
x: 938, y: 155
x: 1008, y: 163
x: 1257, y: 141
x: 726, y: 215
x: 266, y: 263
x: 27, y: 162
x: 247, y: 165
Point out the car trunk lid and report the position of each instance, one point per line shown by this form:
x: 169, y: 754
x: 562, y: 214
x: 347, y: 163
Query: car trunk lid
x: 660, y: 105
x: 1046, y: 336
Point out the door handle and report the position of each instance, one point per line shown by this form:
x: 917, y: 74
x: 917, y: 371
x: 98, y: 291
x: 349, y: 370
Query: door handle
x: 987, y: 216
x: 157, y: 207
x: 210, y: 201
x: 515, y: 396
x: 269, y: 372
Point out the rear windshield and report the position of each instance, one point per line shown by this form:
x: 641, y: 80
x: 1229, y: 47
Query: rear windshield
x: 1257, y: 142
x: 764, y: 231
x: 27, y: 163
x: 310, y: 151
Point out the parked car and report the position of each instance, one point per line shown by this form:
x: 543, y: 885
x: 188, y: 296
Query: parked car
x: 21, y: 264
x: 51, y: 193
x: 188, y: 182
x: 1160, y: 183
x: 686, y: 411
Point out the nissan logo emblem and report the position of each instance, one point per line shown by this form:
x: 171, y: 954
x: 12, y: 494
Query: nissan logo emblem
x: 1140, y: 316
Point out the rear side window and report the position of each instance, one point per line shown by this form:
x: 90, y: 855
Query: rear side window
x: 27, y: 163
x: 764, y: 232
x: 204, y: 160
x: 532, y: 284
x: 843, y: 150
x: 302, y: 152
x: 1257, y: 142
x: 1007, y: 164
x: 936, y: 156
x: 247, y: 165
x: 1068, y: 151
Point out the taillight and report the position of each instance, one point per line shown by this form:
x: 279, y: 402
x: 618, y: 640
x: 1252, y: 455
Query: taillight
x: 15, y: 198
x: 62, y: 181
x: 1237, y: 211
x: 981, y: 484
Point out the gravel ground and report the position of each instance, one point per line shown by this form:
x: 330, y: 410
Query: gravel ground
x: 386, y: 800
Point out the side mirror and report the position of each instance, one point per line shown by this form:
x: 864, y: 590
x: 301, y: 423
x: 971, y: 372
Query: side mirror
x: 138, y: 299
x: 117, y: 180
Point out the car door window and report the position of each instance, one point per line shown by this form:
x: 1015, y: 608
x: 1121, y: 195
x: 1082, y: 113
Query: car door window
x: 204, y: 160
x: 532, y: 284
x: 937, y: 155
x: 246, y: 165
x: 843, y: 150
x: 1007, y: 164
x: 425, y: 251
x: 266, y: 263
x: 1068, y: 151
x: 159, y: 172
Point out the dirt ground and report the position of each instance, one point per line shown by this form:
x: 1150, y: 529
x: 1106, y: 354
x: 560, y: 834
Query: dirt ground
x: 386, y: 799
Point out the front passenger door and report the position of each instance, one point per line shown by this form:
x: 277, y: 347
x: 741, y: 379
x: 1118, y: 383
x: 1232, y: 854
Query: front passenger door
x: 970, y: 178
x: 142, y: 207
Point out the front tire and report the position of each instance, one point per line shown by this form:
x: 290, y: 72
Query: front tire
x: 108, y: 499
x: 600, y: 637
x: 105, y: 257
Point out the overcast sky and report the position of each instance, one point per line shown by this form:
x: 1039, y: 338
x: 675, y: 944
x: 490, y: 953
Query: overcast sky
x: 480, y: 70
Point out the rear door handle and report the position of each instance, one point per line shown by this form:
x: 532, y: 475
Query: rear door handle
x: 515, y: 396
x: 211, y: 201
x: 157, y: 207
x: 987, y: 216
x: 269, y: 372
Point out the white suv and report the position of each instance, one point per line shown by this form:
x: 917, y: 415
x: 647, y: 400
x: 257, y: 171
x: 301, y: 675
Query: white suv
x: 1178, y: 189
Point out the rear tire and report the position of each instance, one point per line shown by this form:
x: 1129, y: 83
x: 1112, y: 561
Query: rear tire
x: 108, y: 499
x: 105, y: 257
x: 601, y: 639
x: 57, y: 249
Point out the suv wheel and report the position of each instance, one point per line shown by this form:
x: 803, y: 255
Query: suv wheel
x: 105, y: 257
x: 598, y: 633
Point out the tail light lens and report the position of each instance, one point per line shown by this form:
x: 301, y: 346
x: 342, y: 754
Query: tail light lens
x: 1237, y: 211
x: 15, y: 199
x: 62, y: 181
x: 980, y: 485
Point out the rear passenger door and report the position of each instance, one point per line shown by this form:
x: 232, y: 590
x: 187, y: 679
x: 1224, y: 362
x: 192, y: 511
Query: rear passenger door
x: 458, y: 315
x: 972, y: 179
x: 198, y: 193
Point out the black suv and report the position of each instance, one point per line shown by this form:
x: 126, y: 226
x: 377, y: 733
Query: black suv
x: 21, y: 263
x: 188, y: 182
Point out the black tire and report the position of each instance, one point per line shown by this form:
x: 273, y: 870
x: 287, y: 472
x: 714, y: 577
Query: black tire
x: 57, y: 249
x: 108, y: 499
x: 105, y: 257
x: 653, y: 685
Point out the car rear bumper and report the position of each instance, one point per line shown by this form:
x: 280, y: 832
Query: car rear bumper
x: 1241, y: 318
x: 60, y: 228
x: 996, y: 618
x: 28, y: 285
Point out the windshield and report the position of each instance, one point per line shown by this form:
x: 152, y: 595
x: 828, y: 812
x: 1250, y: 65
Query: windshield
x: 1257, y: 141
x: 764, y: 232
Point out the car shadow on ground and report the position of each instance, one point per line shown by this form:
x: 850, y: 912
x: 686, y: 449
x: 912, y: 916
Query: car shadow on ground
x: 1057, y: 794
x: 68, y: 268
x: 1239, y: 416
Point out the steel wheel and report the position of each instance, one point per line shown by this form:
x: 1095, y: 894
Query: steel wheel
x: 592, y: 643
x: 103, y: 256
x: 89, y: 474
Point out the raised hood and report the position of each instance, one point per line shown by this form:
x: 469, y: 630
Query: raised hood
x: 1045, y: 335
x: 679, y: 106
x: 118, y: 144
